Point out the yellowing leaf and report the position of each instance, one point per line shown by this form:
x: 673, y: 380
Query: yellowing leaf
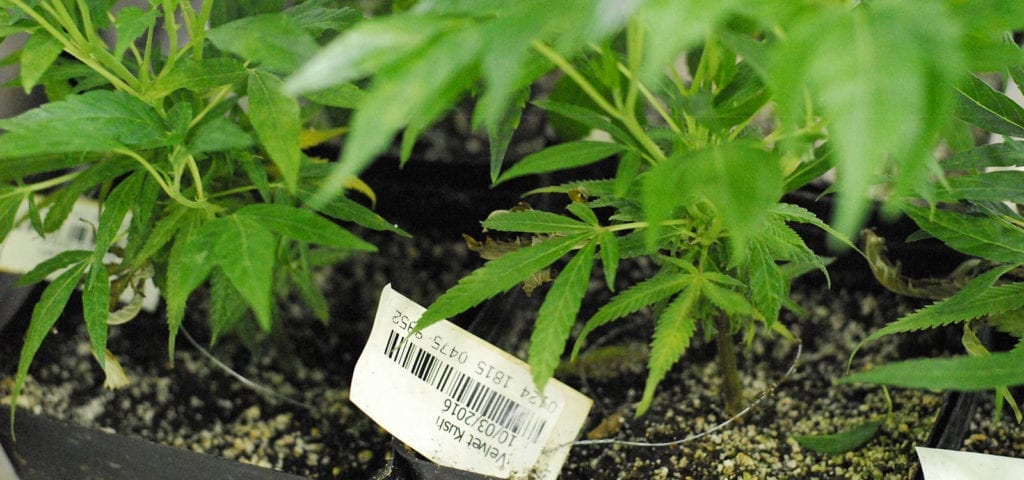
x: 354, y: 183
x: 311, y: 138
x: 115, y: 376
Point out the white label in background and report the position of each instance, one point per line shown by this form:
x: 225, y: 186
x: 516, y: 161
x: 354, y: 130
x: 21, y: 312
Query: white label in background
x: 937, y: 464
x: 23, y: 248
x: 460, y: 401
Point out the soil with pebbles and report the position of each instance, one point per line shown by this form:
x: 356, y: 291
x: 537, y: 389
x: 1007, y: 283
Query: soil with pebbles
x: 196, y: 405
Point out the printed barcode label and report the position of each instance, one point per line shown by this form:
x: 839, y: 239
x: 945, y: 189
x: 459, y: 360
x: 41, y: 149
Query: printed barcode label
x: 460, y: 401
x: 23, y: 248
x: 461, y: 388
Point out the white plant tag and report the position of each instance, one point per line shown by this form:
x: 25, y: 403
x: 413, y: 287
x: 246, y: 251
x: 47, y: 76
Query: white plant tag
x: 460, y: 401
x: 24, y: 248
x: 937, y: 464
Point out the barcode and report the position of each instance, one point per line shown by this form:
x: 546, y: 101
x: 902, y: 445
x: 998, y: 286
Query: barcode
x: 69, y: 235
x: 76, y: 235
x: 462, y: 388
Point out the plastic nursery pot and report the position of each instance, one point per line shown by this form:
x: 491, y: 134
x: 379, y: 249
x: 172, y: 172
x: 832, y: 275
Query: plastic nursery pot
x: 43, y: 448
x: 407, y: 465
x: 47, y: 449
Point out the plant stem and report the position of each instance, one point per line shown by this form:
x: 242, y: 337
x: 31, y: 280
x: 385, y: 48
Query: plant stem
x: 577, y: 77
x: 731, y: 387
x: 654, y: 152
x: 654, y: 101
x: 168, y: 189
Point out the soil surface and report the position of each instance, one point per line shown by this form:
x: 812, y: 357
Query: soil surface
x: 317, y: 433
x: 195, y: 404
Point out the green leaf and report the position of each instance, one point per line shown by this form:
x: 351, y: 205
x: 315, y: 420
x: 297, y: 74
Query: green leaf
x: 814, y: 168
x: 163, y: 231
x: 885, y: 99
x: 34, y: 215
x: 403, y: 95
x: 841, y: 442
x: 189, y: 263
x: 768, y: 285
x: 558, y: 314
x: 728, y: 301
x: 199, y: 76
x: 38, y: 53
x: 346, y: 95
x: 45, y: 314
x: 626, y: 173
x: 96, y: 306
x: 997, y: 186
x: 241, y: 247
x: 609, y: 257
x: 256, y: 171
x: 366, y: 48
x: 588, y: 117
x: 983, y: 106
x: 275, y: 117
x: 983, y: 236
x: 218, y: 135
x: 311, y: 295
x: 95, y: 121
x: 672, y: 334
x: 130, y: 24
x: 227, y: 307
x: 500, y: 130
x: 655, y: 289
x: 346, y: 209
x: 62, y: 204
x: 318, y: 16
x: 1003, y: 369
x: 14, y: 168
x: 115, y: 207
x: 63, y: 201
x: 1005, y: 154
x: 783, y: 244
x: 534, y: 221
x: 667, y: 36
x: 244, y: 250
x: 223, y: 12
x: 741, y: 98
x: 141, y: 226
x: 977, y: 299
x: 8, y: 210
x: 497, y: 276
x: 561, y: 157
x: 99, y: 10
x: 275, y: 41
x: 741, y: 181
x: 796, y: 213
x: 584, y: 212
x: 52, y: 264
x: 302, y: 225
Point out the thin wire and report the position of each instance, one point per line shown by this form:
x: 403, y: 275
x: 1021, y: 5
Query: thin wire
x: 245, y: 381
x: 764, y: 394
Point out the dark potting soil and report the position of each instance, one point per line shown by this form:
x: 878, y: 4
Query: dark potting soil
x: 196, y: 405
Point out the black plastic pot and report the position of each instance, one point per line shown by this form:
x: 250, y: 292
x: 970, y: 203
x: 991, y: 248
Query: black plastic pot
x: 407, y: 465
x: 47, y: 449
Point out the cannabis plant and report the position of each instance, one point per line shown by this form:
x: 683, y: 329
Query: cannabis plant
x: 707, y: 112
x: 172, y: 117
x: 975, y: 209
